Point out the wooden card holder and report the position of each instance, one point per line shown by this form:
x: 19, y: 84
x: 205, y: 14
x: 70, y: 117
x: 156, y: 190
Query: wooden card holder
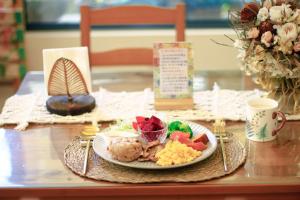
x: 173, y: 76
x: 173, y: 104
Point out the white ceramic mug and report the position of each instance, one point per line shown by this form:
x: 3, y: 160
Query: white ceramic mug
x: 261, y: 119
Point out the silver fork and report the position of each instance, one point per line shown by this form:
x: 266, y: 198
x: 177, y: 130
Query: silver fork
x: 219, y: 129
x: 87, y: 136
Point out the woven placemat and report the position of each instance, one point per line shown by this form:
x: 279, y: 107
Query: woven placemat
x: 210, y: 168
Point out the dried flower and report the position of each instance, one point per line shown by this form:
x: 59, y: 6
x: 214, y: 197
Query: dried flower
x: 263, y: 14
x: 267, y: 4
x: 253, y: 33
x: 287, y: 12
x: 259, y: 52
x: 287, y: 32
x: 266, y: 38
x: 276, y: 40
x: 295, y: 17
x: 241, y: 55
x: 297, y: 20
x: 269, y: 46
x: 279, y: 2
x: 286, y: 47
x: 266, y: 26
x: 292, y: 3
x: 297, y: 47
x: 239, y: 44
x: 249, y: 12
x: 276, y: 14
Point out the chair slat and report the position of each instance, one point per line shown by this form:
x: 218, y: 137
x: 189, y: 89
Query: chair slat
x: 132, y: 56
x: 128, y: 15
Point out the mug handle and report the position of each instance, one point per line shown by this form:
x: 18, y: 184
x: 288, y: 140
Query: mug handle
x: 274, y: 115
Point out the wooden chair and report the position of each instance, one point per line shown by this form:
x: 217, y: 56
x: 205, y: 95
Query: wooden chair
x: 128, y: 15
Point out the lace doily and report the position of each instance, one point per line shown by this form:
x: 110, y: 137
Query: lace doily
x: 25, y: 109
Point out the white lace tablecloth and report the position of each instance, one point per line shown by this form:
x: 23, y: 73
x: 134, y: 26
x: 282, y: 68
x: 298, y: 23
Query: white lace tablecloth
x: 25, y: 109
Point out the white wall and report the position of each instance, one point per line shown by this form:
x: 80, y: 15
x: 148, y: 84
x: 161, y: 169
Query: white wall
x: 207, y: 54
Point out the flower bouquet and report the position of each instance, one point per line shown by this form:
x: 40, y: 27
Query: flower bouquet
x: 269, y: 47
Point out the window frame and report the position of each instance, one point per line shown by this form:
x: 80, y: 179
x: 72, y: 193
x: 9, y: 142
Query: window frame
x: 41, y: 26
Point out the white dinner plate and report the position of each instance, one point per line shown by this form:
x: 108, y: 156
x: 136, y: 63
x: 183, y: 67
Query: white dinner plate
x: 100, y: 147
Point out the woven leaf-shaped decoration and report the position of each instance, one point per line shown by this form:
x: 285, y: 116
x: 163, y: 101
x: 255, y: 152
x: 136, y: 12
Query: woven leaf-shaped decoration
x: 66, y: 79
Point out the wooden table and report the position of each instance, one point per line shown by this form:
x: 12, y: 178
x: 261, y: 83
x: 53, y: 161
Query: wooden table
x: 31, y: 162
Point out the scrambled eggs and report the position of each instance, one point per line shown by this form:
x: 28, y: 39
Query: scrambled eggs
x: 176, y: 153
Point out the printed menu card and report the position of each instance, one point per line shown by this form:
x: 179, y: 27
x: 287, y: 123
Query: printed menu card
x: 173, y: 76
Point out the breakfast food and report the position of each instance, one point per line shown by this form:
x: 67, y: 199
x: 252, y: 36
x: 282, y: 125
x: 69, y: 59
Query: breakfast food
x: 180, y: 148
x: 149, y: 151
x: 179, y: 126
x: 125, y: 149
x: 202, y: 137
x: 198, y: 143
x: 150, y: 129
x: 148, y: 124
x: 176, y: 153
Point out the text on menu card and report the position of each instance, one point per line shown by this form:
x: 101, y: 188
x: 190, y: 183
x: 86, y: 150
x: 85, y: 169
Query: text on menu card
x: 173, y: 71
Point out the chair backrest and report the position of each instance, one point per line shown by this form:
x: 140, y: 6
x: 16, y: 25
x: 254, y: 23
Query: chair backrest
x: 128, y: 15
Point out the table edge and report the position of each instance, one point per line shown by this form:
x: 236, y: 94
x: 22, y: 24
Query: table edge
x: 152, y: 190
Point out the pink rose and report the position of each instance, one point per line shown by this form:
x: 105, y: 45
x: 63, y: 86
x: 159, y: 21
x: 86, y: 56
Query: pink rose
x: 266, y: 38
x: 297, y: 47
x: 253, y: 33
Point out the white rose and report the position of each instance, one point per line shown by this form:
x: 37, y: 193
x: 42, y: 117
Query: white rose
x: 287, y: 32
x: 276, y: 14
x: 287, y: 12
x: 263, y: 14
x: 296, y: 17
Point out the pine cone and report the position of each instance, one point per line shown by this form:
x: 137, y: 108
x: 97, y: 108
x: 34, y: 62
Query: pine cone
x: 249, y: 12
